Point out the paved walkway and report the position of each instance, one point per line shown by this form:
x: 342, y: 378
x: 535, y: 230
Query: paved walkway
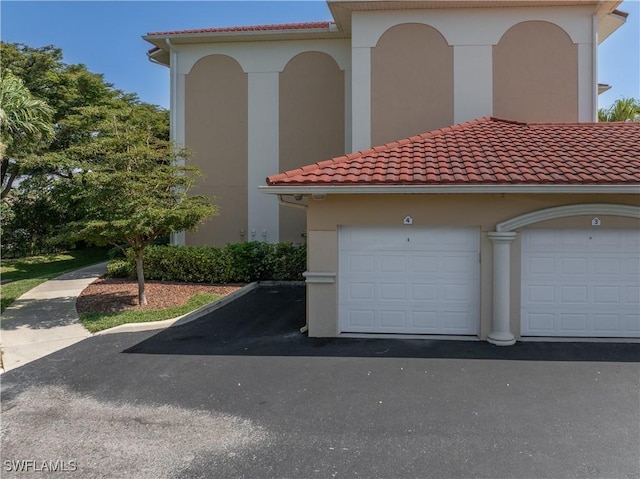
x: 33, y: 328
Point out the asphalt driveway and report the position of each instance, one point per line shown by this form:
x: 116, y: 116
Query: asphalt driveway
x: 242, y: 394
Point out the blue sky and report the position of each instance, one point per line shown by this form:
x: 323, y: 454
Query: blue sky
x: 106, y: 36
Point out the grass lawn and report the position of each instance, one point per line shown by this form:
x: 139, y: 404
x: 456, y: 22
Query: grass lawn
x: 27, y: 273
x: 95, y: 322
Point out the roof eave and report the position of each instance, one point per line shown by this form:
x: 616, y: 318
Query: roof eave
x: 159, y: 56
x: 610, y: 23
x: 448, y: 189
x: 158, y: 39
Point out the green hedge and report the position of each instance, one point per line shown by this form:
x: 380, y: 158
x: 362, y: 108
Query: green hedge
x: 234, y: 263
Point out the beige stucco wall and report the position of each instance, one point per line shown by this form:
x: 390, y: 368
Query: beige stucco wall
x: 535, y: 74
x: 411, y: 83
x: 216, y: 134
x: 311, y: 123
x: 483, y: 211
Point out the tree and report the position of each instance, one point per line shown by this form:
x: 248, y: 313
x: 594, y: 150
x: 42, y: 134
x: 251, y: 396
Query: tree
x: 624, y: 109
x: 133, y: 186
x: 46, y: 175
x: 25, y: 126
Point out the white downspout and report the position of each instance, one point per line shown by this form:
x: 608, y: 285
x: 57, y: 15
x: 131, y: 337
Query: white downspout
x: 594, y: 66
x: 178, y: 238
x: 173, y: 71
x: 301, y: 206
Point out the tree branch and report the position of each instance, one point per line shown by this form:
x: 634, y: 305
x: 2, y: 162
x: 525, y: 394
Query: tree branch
x: 7, y: 188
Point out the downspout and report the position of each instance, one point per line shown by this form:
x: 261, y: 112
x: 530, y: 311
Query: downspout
x: 300, y: 206
x: 594, y: 67
x: 177, y: 239
x: 173, y: 60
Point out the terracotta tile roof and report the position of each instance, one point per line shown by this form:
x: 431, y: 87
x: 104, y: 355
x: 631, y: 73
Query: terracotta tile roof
x: 489, y: 151
x: 254, y: 28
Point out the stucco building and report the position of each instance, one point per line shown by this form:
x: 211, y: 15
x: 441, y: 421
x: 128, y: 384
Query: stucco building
x: 499, y: 227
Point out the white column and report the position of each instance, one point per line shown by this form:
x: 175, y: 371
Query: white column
x: 472, y: 82
x: 263, y: 152
x: 360, y: 98
x: 347, y: 112
x: 586, y: 87
x: 500, y: 334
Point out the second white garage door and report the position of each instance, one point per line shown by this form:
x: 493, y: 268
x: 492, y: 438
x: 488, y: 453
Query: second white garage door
x: 409, y: 280
x: 581, y: 282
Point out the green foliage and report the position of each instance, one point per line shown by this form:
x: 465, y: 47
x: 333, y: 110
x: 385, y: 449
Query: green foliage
x: 25, y: 126
x: 234, y: 263
x: 27, y: 273
x: 624, y: 109
x: 95, y: 322
x: 132, y: 185
x: 33, y: 218
x: 81, y: 107
x: 121, y: 268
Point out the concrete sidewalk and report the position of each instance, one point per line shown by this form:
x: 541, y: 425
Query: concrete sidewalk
x: 44, y: 319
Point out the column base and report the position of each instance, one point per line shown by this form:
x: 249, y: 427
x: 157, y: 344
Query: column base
x: 501, y: 339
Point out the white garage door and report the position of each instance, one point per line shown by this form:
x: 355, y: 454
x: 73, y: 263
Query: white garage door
x: 409, y: 280
x: 581, y: 283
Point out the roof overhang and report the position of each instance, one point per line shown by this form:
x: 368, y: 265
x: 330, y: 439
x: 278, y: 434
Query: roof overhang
x: 603, y: 87
x: 610, y: 23
x: 449, y: 189
x: 236, y: 35
x: 609, y: 20
x: 342, y: 10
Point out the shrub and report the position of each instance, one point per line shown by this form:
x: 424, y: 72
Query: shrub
x: 233, y: 263
x: 120, y: 268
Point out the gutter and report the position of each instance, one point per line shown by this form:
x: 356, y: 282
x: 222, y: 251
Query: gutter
x: 150, y: 57
x: 447, y: 189
x: 300, y: 206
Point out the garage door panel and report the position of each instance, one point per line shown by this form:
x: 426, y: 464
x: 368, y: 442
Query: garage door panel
x: 609, y: 295
x: 393, y: 264
x: 360, y: 291
x: 540, y: 293
x: 455, y: 264
x: 393, y: 319
x: 572, y: 322
x: 424, y: 320
x: 606, y: 323
x: 587, y: 284
x: 456, y: 293
x: 607, y: 266
x: 632, y: 267
x: 632, y: 295
x: 540, y: 322
x: 574, y: 294
x: 632, y: 323
x: 424, y: 264
x: 572, y: 266
x: 456, y: 321
x: 424, y: 291
x: 423, y: 286
x: 540, y: 265
x: 361, y: 264
x: 393, y: 291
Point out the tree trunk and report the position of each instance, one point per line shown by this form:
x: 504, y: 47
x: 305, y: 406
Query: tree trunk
x: 142, y: 296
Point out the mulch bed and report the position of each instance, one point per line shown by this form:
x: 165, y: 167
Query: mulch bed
x: 111, y: 295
